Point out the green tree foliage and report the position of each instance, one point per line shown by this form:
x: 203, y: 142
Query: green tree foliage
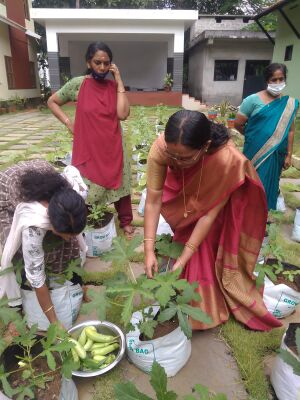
x: 204, y: 6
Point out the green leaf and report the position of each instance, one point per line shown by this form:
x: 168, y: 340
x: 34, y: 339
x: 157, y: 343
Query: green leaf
x: 50, y: 360
x: 127, y: 391
x: 195, y: 313
x: 189, y: 397
x: 203, y: 391
x: 184, y: 324
x: 167, y: 314
x: 51, y: 336
x: 26, y: 393
x: 7, y: 314
x: 98, y: 302
x: 290, y: 360
x: 147, y: 327
x: 8, y: 390
x: 26, y: 374
x: 297, y: 334
x: 123, y: 250
x: 68, y: 366
x: 158, y: 381
x: 127, y: 309
x: 164, y: 294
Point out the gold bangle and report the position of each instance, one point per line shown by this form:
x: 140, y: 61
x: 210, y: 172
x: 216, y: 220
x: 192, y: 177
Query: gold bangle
x: 190, y: 246
x: 49, y: 309
x: 121, y: 91
x: 149, y: 239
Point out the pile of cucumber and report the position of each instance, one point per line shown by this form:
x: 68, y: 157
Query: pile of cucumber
x: 93, y: 350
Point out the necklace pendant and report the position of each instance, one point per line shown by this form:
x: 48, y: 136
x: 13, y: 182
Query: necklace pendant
x: 185, y: 215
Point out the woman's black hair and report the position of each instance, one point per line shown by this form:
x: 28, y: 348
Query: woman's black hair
x: 92, y: 50
x: 270, y: 69
x: 193, y: 129
x: 66, y: 209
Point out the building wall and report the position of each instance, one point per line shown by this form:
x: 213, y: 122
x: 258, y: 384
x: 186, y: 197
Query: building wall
x: 202, y: 58
x: 143, y: 65
x: 209, y: 23
x: 286, y: 37
x: 23, y: 49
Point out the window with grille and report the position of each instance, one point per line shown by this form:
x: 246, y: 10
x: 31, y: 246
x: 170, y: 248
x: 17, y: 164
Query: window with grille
x: 32, y: 74
x: 9, y: 73
x: 26, y: 9
x: 226, y: 70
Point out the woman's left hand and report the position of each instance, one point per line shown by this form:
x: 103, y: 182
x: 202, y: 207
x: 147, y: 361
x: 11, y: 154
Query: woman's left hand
x: 115, y: 71
x: 287, y: 162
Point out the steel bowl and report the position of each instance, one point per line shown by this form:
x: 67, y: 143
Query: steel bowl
x: 106, y: 328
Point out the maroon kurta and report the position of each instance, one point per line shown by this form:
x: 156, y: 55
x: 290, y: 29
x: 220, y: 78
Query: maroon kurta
x: 97, y: 146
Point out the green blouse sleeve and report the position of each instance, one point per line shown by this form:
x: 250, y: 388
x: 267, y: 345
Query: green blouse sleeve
x: 69, y: 92
x: 250, y: 105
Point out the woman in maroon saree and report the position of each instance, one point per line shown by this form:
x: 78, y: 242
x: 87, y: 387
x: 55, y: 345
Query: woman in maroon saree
x: 213, y: 200
x: 98, y: 149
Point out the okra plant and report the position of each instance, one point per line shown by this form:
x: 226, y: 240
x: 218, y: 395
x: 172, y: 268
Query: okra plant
x: 54, y: 343
x: 158, y: 380
x: 273, y: 250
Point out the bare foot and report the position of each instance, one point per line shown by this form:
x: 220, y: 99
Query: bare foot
x: 128, y: 231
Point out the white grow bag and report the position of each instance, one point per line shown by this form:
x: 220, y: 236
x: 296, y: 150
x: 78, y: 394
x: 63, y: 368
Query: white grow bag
x: 285, y: 383
x: 171, y: 351
x: 100, y: 240
x: 66, y: 299
x: 280, y: 300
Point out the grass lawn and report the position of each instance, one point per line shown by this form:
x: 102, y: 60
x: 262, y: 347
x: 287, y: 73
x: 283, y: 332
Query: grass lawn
x: 296, y: 149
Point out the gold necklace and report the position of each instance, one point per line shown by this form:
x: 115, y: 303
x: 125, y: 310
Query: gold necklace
x: 186, y: 212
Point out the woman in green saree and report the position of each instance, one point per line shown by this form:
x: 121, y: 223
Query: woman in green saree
x: 266, y: 119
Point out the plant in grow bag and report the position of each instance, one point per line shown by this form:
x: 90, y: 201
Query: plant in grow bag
x: 31, y: 366
x: 273, y: 266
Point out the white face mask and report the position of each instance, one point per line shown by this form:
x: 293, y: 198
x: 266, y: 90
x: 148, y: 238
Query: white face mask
x: 275, y: 88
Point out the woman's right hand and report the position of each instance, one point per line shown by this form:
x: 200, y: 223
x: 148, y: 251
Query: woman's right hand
x: 150, y: 264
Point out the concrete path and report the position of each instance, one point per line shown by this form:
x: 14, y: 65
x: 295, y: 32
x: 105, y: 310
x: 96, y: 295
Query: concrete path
x: 19, y: 131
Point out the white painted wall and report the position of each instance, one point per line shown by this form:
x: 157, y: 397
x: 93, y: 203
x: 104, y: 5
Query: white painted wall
x: 212, y: 92
x: 173, y: 29
x: 5, y: 93
x: 142, y: 65
x: 3, y: 10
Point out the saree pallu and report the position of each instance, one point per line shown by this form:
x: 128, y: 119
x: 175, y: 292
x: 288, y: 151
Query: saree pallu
x: 266, y: 141
x: 223, y: 264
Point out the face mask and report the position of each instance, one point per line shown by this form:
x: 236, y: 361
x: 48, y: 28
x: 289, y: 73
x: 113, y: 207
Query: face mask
x: 275, y: 88
x: 99, y: 76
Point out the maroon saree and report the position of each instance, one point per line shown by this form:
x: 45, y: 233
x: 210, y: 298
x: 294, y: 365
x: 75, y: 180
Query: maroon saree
x: 224, y: 263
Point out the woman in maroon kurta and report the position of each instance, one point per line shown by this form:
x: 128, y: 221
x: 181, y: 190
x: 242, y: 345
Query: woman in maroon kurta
x: 97, y: 148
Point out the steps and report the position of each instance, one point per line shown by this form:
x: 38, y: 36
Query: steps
x: 190, y: 103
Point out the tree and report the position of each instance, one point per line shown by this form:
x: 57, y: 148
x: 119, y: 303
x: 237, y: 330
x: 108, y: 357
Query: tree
x: 204, y: 6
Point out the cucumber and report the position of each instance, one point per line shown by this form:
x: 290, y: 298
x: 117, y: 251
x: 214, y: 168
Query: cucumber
x: 82, y: 338
x: 98, y: 337
x: 99, y: 358
x: 106, y: 350
x: 101, y: 345
x: 88, y: 344
x: 78, y: 348
x: 75, y: 355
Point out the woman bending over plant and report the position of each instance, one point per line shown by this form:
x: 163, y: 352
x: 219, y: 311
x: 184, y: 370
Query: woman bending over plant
x: 41, y: 217
x: 213, y: 200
